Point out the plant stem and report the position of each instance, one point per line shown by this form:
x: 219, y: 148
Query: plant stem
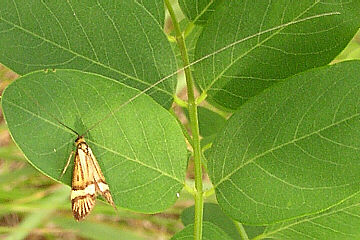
x: 180, y: 102
x: 241, y: 230
x: 194, y: 125
x: 209, y: 192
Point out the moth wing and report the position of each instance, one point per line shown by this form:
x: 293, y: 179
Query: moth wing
x: 83, y: 193
x: 101, y: 186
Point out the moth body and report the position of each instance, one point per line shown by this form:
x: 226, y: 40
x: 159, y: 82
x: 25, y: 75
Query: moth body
x: 87, y: 181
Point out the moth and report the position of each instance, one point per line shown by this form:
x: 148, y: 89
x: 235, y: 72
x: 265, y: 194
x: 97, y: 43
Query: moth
x: 87, y: 181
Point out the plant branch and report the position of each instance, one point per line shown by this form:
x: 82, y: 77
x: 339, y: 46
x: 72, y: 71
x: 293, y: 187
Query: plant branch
x: 240, y: 228
x: 194, y: 125
x: 180, y: 102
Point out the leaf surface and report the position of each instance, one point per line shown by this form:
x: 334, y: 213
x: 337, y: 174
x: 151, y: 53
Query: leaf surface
x: 247, y: 46
x: 123, y: 40
x: 198, y: 11
x: 340, y: 222
x: 156, y: 8
x: 210, y: 122
x: 293, y: 150
x: 138, y: 144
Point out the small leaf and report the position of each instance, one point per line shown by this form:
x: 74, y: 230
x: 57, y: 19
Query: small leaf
x: 123, y: 40
x: 138, y: 144
x: 210, y: 232
x: 199, y: 11
x: 254, y: 44
x: 293, y: 150
x: 340, y: 222
x: 213, y: 214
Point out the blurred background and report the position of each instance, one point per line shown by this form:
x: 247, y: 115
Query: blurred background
x: 32, y: 206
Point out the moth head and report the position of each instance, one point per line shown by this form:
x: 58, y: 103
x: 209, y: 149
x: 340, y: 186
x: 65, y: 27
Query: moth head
x: 80, y: 139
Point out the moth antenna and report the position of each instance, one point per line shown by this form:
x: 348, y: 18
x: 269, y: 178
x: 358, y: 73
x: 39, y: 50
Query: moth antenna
x: 62, y: 124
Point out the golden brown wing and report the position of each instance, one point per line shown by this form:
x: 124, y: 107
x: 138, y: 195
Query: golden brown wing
x: 101, y: 186
x: 83, y: 192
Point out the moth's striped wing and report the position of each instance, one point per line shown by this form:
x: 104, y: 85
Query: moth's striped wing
x: 101, y: 186
x: 88, y: 181
x: 83, y: 193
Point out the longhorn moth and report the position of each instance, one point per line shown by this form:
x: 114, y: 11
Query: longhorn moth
x: 87, y: 181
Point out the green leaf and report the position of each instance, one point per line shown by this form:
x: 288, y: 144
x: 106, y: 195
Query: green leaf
x: 199, y: 11
x: 253, y: 45
x: 96, y: 230
x: 210, y: 122
x: 155, y: 8
x: 340, y: 222
x: 138, y: 144
x: 210, y: 232
x: 292, y: 150
x: 118, y: 39
x: 213, y: 214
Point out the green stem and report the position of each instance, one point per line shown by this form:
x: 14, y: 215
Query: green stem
x: 201, y: 98
x: 180, y: 102
x: 209, y: 192
x: 189, y: 189
x: 194, y: 125
x: 241, y: 230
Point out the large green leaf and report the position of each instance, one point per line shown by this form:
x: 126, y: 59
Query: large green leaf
x: 198, y: 11
x: 138, y: 144
x: 340, y: 222
x: 254, y: 44
x: 293, y: 150
x: 213, y: 214
x: 210, y: 232
x: 119, y: 39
